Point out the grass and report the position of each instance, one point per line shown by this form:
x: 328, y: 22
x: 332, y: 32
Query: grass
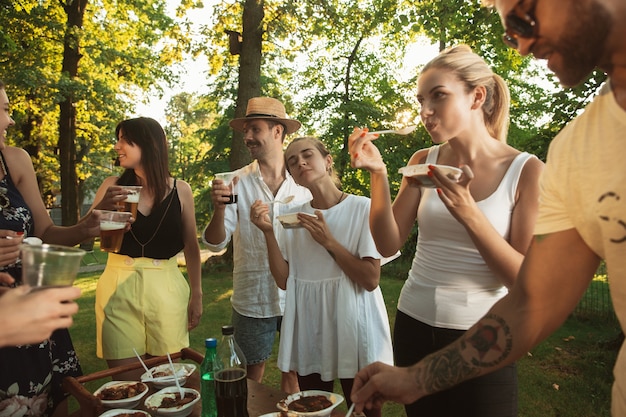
x: 569, y: 374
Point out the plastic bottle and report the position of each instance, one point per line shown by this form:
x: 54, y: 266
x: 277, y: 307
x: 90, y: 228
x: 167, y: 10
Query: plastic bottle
x: 231, y: 386
x: 207, y: 382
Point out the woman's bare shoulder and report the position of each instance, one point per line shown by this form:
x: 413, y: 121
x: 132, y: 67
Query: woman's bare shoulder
x: 12, y: 152
x: 18, y: 162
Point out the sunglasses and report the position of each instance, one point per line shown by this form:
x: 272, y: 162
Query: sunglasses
x: 520, y: 23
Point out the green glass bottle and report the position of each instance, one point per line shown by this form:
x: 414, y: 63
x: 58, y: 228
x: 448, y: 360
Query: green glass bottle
x: 207, y: 383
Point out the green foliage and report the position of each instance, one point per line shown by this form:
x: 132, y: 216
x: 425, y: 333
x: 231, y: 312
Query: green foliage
x: 336, y: 64
x: 125, y: 47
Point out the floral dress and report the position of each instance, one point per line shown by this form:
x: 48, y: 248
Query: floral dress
x: 30, y: 375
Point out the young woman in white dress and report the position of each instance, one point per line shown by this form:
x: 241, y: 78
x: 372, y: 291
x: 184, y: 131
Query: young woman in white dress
x: 335, y: 320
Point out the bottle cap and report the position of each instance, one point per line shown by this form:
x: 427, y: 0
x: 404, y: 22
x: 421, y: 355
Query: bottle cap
x: 228, y: 330
x: 211, y: 342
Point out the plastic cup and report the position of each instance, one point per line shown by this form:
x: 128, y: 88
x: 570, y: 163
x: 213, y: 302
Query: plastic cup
x: 132, y: 199
x: 228, y: 177
x: 47, y: 266
x: 112, y: 226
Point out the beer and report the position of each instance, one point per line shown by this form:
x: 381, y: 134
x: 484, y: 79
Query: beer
x: 231, y: 393
x: 111, y: 235
x: 132, y: 199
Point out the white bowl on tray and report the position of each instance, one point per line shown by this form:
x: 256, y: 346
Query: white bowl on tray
x: 126, y: 401
x: 153, y: 403
x: 121, y: 412
x: 284, y: 405
x: 420, y: 173
x: 162, y: 374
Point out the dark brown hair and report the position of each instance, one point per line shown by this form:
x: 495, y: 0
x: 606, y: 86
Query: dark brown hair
x: 149, y: 136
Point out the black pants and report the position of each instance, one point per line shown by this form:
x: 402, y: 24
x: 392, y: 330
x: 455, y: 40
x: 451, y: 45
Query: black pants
x: 491, y: 395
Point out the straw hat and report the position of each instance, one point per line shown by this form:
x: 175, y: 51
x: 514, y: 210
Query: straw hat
x: 266, y: 108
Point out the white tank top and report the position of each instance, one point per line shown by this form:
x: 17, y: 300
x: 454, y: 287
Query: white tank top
x: 449, y: 284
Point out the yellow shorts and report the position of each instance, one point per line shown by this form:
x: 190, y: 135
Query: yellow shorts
x: 141, y: 303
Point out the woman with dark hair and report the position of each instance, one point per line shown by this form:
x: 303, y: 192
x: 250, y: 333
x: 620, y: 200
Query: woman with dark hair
x: 143, y: 301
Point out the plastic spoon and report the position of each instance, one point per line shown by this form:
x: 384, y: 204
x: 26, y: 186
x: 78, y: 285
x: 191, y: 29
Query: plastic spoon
x: 285, y: 200
x: 142, y: 363
x: 350, y: 410
x: 404, y: 131
x: 180, y: 390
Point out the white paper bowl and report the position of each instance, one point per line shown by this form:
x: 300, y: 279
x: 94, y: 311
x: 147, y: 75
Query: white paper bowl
x: 153, y: 402
x: 128, y: 403
x: 280, y: 414
x: 118, y: 412
x: 336, y: 399
x: 290, y: 221
x: 420, y: 173
x: 183, y: 371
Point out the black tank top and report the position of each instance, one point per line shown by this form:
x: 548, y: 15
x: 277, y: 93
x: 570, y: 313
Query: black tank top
x: 160, y: 234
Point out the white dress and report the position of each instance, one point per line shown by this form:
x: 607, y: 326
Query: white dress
x: 332, y: 326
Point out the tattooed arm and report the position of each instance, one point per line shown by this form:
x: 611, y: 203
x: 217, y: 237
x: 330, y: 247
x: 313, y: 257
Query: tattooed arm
x: 555, y: 274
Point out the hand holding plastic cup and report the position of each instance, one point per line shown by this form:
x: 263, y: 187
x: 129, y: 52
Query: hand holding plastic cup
x: 228, y: 179
x: 112, y: 227
x: 131, y: 201
x: 46, y: 266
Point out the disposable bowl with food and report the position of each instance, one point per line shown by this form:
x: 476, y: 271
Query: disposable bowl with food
x: 162, y: 374
x: 126, y: 402
x: 122, y: 412
x: 153, y: 403
x: 335, y: 399
x: 420, y: 173
x: 290, y: 221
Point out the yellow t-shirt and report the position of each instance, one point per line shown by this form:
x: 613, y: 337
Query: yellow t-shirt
x: 584, y: 187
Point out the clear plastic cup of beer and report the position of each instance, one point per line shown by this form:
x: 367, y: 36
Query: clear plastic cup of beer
x: 131, y: 201
x: 112, y: 227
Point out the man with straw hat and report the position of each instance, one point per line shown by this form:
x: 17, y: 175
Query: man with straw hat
x: 257, y: 302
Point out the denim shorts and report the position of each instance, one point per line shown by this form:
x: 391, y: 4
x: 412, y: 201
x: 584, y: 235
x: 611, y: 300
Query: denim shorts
x: 255, y: 336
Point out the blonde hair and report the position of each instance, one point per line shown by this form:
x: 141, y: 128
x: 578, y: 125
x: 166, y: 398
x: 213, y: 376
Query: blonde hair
x: 473, y: 71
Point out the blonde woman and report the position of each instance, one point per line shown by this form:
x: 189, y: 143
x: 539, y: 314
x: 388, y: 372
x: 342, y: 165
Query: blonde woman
x: 473, y: 234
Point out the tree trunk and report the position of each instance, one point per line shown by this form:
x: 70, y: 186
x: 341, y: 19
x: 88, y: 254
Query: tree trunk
x: 70, y: 211
x: 249, y: 73
x: 344, y: 157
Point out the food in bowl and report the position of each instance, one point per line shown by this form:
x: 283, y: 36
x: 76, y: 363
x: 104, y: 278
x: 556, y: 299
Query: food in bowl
x: 162, y: 375
x: 121, y: 394
x: 121, y: 391
x: 310, y: 403
x: 295, y: 404
x: 419, y: 172
x: 168, y: 402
